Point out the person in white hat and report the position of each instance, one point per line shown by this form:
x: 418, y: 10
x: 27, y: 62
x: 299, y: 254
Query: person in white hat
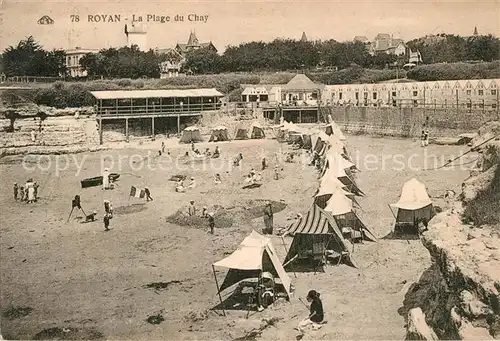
x: 192, y: 183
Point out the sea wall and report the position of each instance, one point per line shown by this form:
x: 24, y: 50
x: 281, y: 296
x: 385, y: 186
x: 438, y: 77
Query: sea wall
x: 459, y: 295
x: 407, y: 122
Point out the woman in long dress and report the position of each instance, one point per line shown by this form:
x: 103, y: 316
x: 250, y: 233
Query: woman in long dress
x: 31, y: 191
x: 105, y: 179
x: 268, y: 219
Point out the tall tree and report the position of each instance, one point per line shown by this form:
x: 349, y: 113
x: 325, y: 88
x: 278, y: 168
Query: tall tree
x: 28, y: 58
x: 203, y: 61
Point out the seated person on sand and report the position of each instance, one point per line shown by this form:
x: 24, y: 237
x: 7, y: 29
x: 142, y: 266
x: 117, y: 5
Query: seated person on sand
x: 180, y: 186
x: 207, y: 152
x: 192, y: 183
x: 257, y: 177
x: 289, y: 158
x: 248, y: 179
x: 216, y: 152
x: 217, y: 179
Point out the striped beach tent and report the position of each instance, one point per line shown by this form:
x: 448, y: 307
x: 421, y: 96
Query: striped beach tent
x: 315, y: 235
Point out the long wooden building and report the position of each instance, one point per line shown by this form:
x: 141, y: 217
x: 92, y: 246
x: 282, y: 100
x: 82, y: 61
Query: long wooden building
x: 153, y: 105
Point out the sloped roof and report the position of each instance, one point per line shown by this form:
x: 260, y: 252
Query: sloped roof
x: 304, y: 37
x: 362, y: 39
x: 413, y: 196
x: 315, y: 221
x: 301, y: 82
x: 125, y: 94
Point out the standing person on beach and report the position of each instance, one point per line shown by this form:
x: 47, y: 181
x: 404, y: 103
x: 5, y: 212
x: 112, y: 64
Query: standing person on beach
x: 211, y: 222
x: 268, y: 219
x: 148, y: 194
x: 106, y: 222
x: 16, y: 190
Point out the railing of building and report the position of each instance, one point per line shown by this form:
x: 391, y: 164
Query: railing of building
x: 156, y: 106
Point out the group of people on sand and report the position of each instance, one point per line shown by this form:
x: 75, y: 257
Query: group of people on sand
x: 210, y: 216
x: 252, y: 177
x: 28, y: 192
x: 207, y: 153
x: 180, y: 187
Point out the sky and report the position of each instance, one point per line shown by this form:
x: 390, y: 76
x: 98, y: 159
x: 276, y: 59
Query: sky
x: 234, y: 22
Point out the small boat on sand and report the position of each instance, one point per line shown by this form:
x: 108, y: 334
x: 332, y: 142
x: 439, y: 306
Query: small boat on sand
x: 97, y: 180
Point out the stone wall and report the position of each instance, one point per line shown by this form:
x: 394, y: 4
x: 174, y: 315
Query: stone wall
x: 407, y: 122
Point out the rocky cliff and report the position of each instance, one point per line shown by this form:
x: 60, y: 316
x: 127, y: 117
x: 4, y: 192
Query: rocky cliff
x: 459, y: 295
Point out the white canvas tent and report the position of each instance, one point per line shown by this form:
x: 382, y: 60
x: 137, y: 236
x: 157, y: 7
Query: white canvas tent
x: 219, y: 133
x: 413, y: 205
x: 257, y: 131
x: 341, y: 208
x: 334, y: 130
x: 340, y: 174
x: 254, y: 255
x: 191, y: 134
x: 336, y: 161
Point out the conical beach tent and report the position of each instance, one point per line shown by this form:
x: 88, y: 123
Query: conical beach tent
x: 341, y: 208
x: 241, y: 134
x: 191, y: 134
x: 219, y: 133
x: 334, y: 129
x: 313, y: 235
x: 327, y: 188
x: 254, y: 256
x: 257, y: 132
x: 413, y: 205
x: 343, y: 177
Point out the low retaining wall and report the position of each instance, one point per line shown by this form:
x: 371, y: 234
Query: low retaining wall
x: 407, y: 122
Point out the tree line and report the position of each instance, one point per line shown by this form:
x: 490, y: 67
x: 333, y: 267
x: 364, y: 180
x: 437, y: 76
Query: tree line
x: 28, y: 58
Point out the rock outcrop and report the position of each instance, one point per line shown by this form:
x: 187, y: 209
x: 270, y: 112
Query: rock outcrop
x: 459, y: 296
x: 53, y: 135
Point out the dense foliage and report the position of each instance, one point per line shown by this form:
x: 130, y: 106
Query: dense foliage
x: 449, y: 48
x: 28, y: 58
x: 452, y: 71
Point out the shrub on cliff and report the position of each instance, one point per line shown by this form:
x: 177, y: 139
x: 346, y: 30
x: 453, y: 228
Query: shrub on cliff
x: 443, y: 71
x: 353, y: 75
x: 485, y: 208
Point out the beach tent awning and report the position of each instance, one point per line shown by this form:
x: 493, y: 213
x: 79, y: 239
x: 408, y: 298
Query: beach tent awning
x: 413, y: 196
x: 254, y: 255
x: 192, y: 128
x: 218, y: 128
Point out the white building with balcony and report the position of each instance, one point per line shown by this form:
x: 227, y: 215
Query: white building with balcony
x: 73, y: 57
